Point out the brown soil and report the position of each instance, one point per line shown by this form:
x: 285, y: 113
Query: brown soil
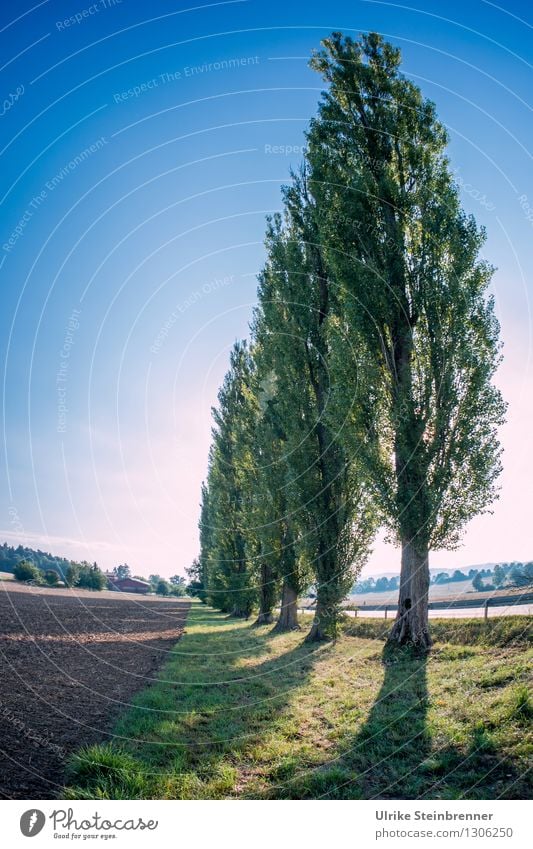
x: 70, y: 662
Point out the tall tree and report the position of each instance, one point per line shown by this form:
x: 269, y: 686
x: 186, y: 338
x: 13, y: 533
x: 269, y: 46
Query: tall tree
x: 197, y: 585
x: 230, y: 581
x: 122, y: 571
x: 412, y: 296
x: 281, y: 559
x: 252, y: 467
x: 199, y: 570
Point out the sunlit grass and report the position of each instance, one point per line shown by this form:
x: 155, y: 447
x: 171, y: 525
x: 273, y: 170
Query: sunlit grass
x: 238, y: 712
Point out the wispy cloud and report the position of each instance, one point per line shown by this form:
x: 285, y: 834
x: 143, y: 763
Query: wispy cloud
x: 53, y: 541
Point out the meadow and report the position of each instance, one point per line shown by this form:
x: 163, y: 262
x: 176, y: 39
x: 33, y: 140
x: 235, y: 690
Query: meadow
x: 238, y: 712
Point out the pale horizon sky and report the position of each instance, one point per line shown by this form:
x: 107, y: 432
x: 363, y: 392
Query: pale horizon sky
x: 138, y: 168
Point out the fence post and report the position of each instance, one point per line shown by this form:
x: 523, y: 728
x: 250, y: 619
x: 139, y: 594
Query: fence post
x: 386, y: 610
x: 486, y: 609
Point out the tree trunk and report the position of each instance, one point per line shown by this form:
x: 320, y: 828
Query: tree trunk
x: 266, y: 596
x: 288, y: 615
x: 264, y: 618
x: 411, y: 625
x: 239, y: 613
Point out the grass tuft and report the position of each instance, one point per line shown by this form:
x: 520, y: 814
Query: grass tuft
x: 107, y: 772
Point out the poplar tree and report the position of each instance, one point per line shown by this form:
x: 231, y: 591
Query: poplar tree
x: 280, y: 528
x: 199, y: 571
x: 324, y: 496
x: 230, y: 570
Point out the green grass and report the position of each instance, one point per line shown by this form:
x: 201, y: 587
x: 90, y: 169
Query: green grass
x: 240, y: 713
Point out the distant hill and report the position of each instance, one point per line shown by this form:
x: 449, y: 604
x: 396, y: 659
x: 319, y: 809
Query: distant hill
x: 10, y: 556
x: 478, y: 567
x: 435, y: 570
x: 498, y: 576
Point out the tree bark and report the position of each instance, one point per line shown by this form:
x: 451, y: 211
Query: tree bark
x: 288, y: 615
x: 239, y: 613
x: 264, y: 618
x: 318, y: 633
x: 266, y: 596
x: 411, y: 625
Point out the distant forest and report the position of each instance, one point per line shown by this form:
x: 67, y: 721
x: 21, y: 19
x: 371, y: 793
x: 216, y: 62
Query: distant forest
x: 502, y: 575
x: 80, y: 573
x: 10, y: 556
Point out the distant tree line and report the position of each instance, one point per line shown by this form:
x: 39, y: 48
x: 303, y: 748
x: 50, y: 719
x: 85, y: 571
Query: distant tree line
x: 377, y: 585
x: 159, y: 585
x: 504, y: 575
x: 457, y: 575
x: 43, y: 560
x: 513, y: 574
x: 83, y: 575
x: 174, y: 586
x: 40, y: 567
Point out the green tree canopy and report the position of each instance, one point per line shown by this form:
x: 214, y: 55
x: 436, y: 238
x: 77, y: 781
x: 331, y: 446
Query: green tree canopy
x: 413, y: 294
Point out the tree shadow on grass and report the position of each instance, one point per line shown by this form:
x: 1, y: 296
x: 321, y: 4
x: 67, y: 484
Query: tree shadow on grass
x: 392, y: 745
x: 393, y: 755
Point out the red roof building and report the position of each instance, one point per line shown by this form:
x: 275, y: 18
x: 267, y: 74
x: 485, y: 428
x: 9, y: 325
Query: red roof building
x: 128, y: 585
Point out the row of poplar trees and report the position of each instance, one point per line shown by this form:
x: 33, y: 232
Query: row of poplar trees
x: 364, y: 398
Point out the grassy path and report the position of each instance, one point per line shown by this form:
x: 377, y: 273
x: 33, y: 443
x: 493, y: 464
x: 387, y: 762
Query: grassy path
x: 238, y: 712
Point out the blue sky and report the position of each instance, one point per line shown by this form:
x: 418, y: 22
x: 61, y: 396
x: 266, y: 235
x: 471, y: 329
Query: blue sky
x: 142, y: 147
